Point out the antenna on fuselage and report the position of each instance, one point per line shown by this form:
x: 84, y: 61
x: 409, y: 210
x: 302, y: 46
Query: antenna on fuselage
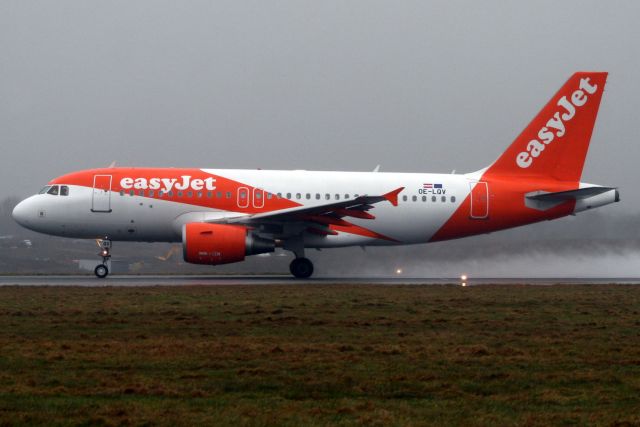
x: 377, y: 169
x: 113, y: 164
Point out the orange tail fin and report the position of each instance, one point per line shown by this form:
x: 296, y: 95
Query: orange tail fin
x: 554, y: 145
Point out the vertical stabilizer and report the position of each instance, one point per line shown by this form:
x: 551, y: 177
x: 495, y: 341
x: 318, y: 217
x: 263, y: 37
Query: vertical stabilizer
x: 554, y: 145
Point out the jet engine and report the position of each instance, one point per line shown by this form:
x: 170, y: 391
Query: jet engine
x: 215, y: 244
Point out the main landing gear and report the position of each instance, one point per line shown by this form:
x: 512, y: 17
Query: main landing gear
x: 102, y: 270
x: 301, y: 268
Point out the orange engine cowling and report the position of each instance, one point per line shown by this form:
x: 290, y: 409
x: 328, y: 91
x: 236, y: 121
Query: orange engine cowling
x: 215, y: 244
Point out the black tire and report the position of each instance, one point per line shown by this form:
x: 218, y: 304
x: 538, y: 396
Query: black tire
x: 101, y: 271
x: 301, y: 268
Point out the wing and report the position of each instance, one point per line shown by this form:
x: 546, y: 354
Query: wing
x: 325, y: 219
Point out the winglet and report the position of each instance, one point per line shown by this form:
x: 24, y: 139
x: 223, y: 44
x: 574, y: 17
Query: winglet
x: 392, y: 196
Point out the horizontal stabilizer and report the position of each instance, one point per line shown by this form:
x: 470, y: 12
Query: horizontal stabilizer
x: 561, y: 196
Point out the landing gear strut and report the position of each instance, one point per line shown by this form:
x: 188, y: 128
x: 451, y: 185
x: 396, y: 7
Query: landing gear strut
x: 102, y: 270
x: 301, y: 268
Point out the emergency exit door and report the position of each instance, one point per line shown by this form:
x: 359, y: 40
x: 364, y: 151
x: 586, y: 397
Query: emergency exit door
x: 479, y: 200
x: 101, y: 200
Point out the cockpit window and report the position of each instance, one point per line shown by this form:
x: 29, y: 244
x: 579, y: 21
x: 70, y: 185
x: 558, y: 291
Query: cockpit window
x: 44, y: 189
x: 53, y: 190
x: 64, y: 190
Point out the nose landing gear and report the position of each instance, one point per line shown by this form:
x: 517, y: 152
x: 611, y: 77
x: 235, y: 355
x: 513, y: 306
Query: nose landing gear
x: 101, y: 270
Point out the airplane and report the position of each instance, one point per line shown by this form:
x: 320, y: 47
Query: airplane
x: 221, y: 216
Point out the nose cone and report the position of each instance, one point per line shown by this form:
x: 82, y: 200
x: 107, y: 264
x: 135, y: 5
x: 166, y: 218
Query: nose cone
x: 21, y: 213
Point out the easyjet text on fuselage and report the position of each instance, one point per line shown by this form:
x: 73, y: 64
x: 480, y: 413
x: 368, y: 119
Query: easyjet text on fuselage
x: 167, y: 184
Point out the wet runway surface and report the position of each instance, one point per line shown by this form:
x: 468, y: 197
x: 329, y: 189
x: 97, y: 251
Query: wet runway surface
x: 128, y: 280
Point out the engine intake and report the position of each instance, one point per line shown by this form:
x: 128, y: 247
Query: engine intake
x: 215, y: 244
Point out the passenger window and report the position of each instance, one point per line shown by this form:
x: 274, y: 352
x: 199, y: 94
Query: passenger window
x: 433, y: 198
x: 317, y: 196
x: 258, y: 195
x: 327, y: 196
x: 289, y: 196
x: 199, y: 194
x: 443, y: 198
x: 228, y: 194
x: 219, y: 195
x: 404, y: 198
x: 64, y: 190
x: 53, y: 190
x: 122, y: 192
x: 269, y: 196
x: 298, y: 196
x: 414, y: 198
x: 160, y: 193
x: 190, y: 194
x: 346, y: 196
x: 179, y: 193
x: 151, y: 193
x: 279, y: 195
x: 337, y: 197
x: 141, y: 193
x: 308, y: 196
x: 424, y: 198
x: 453, y: 199
x: 170, y: 193
x: 131, y: 193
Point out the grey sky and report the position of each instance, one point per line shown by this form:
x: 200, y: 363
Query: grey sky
x: 343, y: 85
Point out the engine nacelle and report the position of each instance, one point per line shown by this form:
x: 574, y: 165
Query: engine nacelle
x: 215, y: 244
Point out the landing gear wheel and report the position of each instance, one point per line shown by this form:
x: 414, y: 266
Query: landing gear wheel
x: 101, y: 271
x: 301, y: 268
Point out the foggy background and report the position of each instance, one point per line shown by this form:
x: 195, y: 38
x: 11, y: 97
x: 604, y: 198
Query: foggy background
x: 416, y: 86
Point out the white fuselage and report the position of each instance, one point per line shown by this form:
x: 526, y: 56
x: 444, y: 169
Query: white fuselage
x: 135, y: 206
x: 135, y: 217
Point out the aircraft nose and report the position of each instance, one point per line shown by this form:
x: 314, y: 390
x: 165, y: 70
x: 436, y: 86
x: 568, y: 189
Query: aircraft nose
x: 20, y: 213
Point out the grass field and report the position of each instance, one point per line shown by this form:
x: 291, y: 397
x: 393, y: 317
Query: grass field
x: 320, y: 355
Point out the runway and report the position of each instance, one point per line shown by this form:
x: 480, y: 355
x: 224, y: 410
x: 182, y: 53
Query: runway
x: 196, y: 280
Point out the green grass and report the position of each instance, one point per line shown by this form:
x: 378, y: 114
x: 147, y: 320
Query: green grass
x: 320, y: 355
